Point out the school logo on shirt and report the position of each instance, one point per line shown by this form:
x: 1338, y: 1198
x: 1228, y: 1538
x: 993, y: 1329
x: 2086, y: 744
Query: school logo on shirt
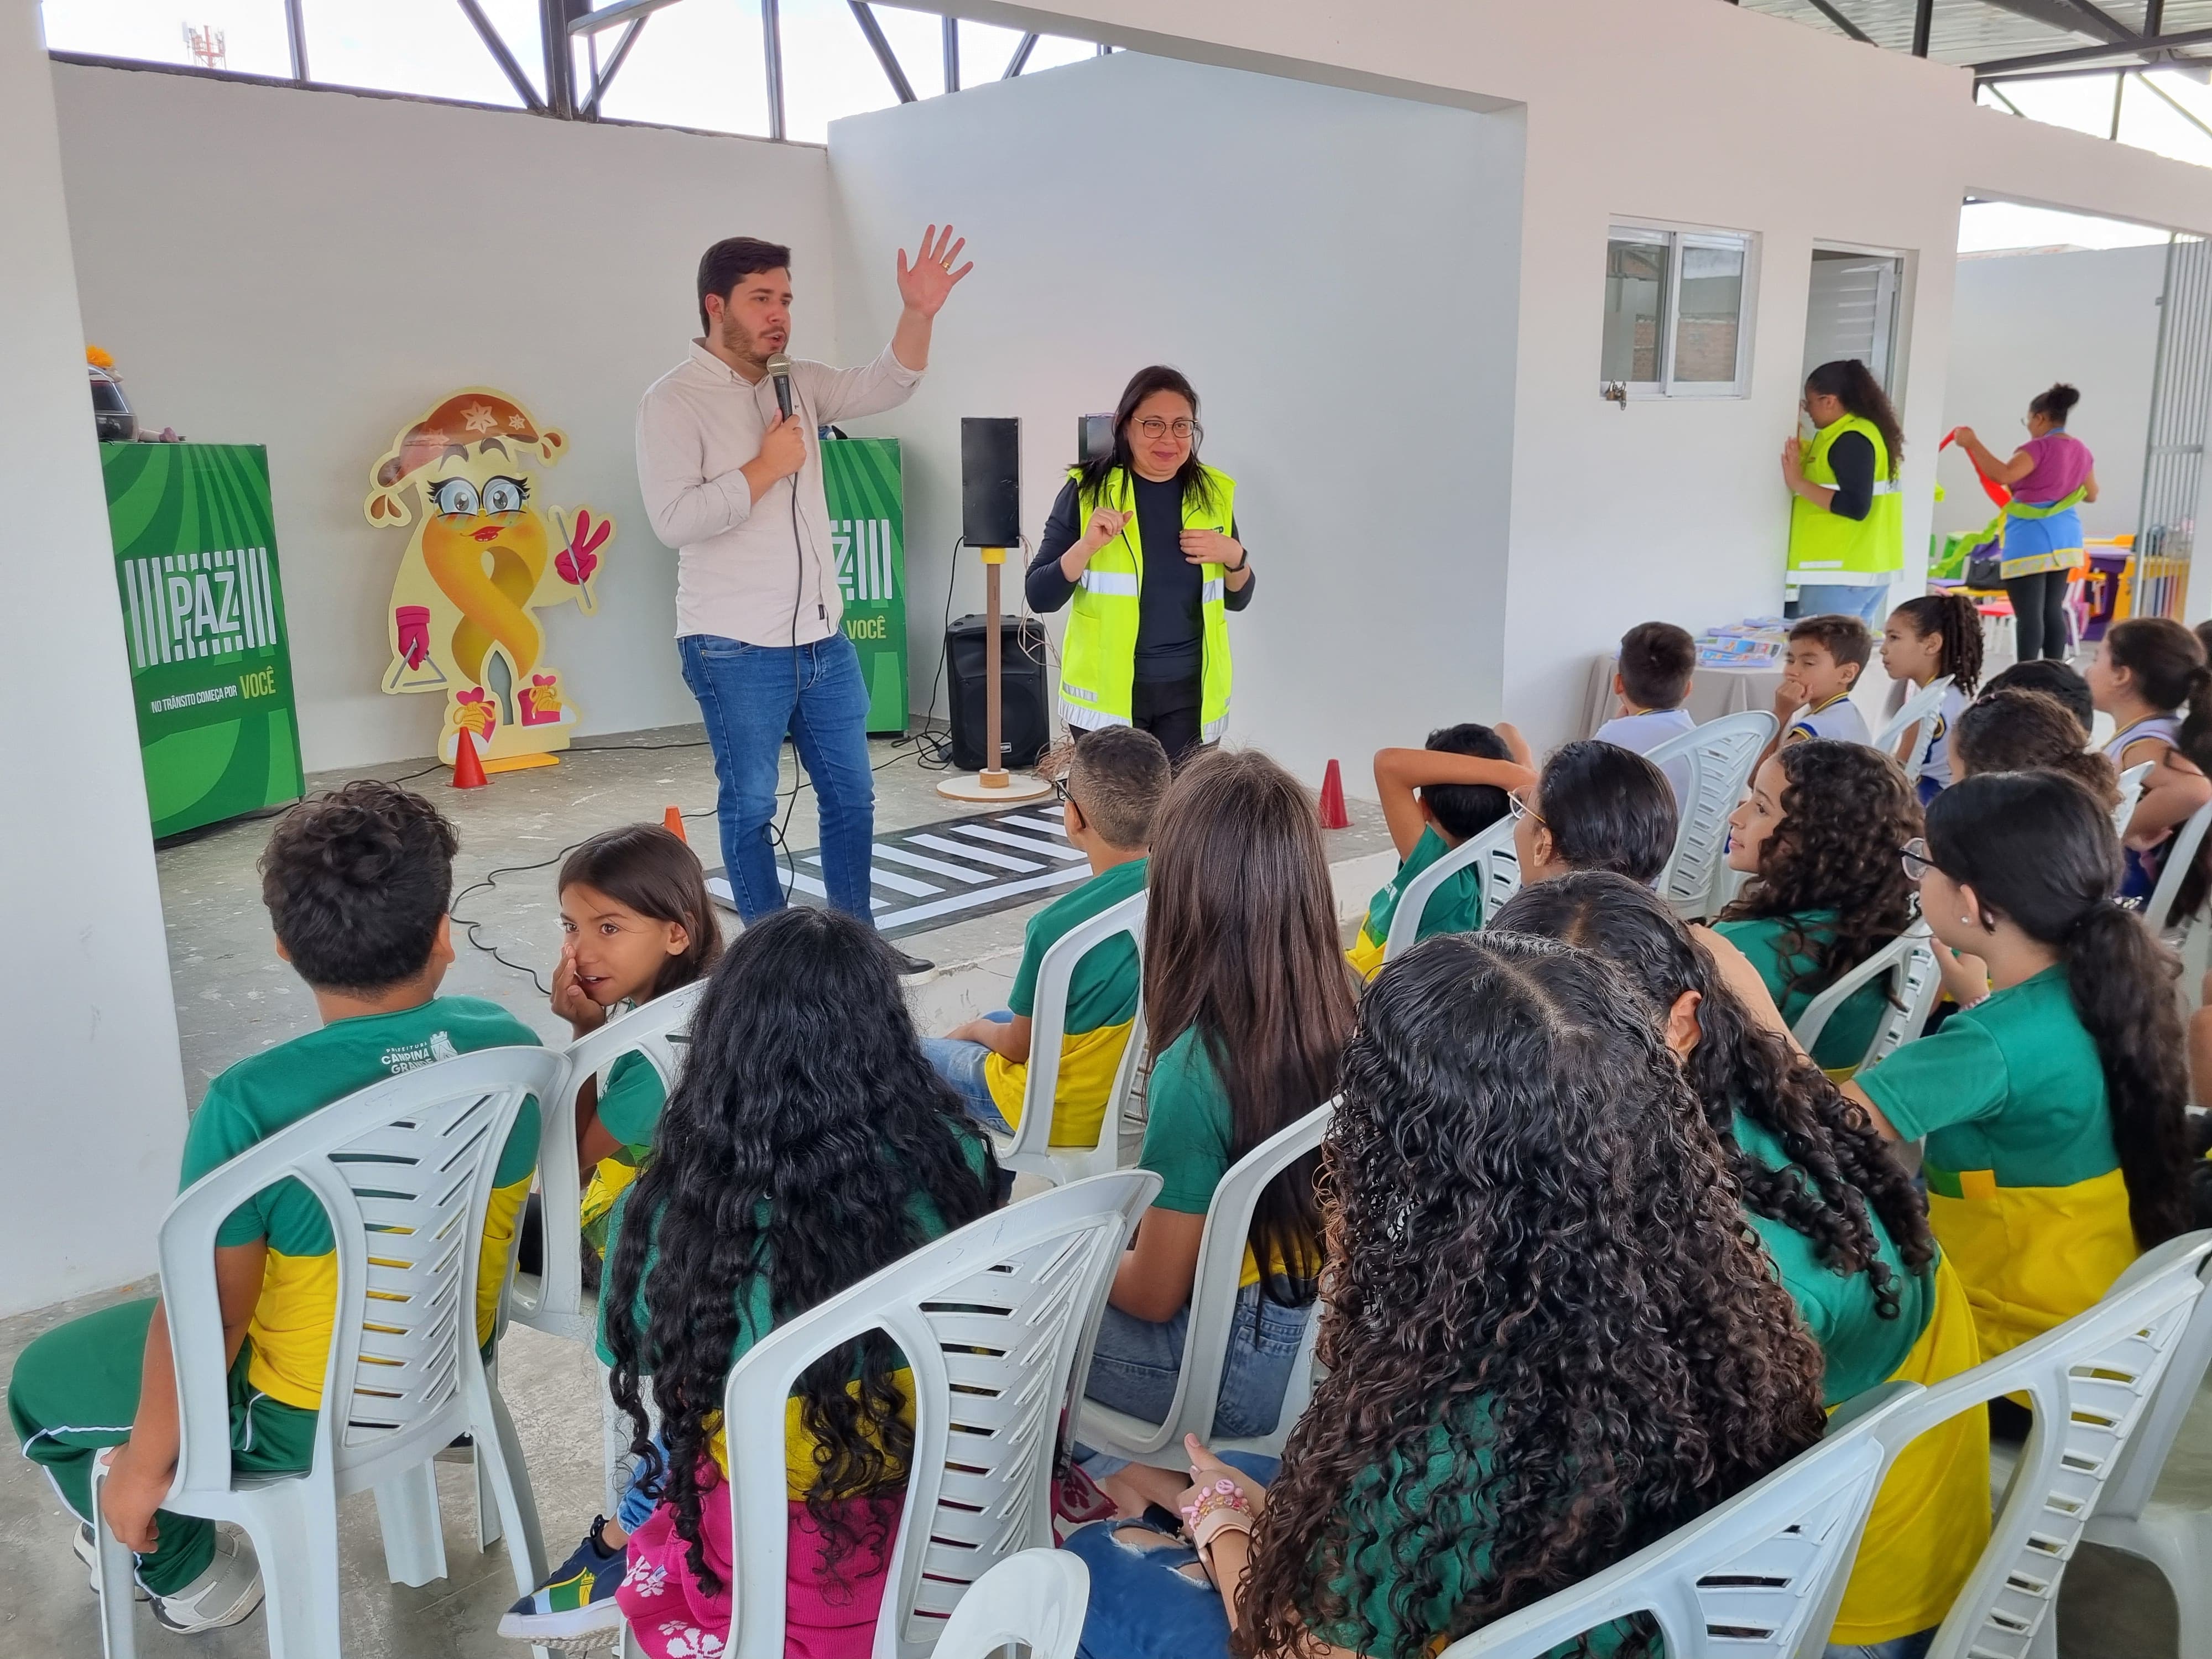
x: 416, y: 1055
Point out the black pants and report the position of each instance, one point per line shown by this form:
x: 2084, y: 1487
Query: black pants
x: 2038, y: 612
x: 1168, y: 710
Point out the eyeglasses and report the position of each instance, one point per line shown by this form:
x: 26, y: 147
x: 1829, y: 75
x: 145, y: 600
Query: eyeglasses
x: 1059, y: 790
x: 1521, y: 809
x: 1915, y: 858
x: 1153, y: 426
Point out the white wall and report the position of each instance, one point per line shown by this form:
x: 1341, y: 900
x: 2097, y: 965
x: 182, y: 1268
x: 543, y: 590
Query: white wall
x: 2022, y: 321
x: 88, y: 1025
x: 311, y: 270
x: 1704, y: 114
x: 1335, y: 270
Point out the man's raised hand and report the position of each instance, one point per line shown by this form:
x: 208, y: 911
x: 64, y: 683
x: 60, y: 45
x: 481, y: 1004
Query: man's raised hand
x: 925, y: 285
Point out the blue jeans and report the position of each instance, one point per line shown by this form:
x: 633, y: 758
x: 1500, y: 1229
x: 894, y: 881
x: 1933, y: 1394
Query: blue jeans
x: 1844, y: 599
x: 960, y: 1063
x: 1147, y: 1603
x: 1914, y: 1646
x: 749, y: 696
x: 638, y: 1505
x: 1135, y: 1364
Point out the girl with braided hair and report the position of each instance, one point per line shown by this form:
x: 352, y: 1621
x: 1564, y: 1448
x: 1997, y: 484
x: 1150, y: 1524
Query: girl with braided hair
x: 2053, y: 1110
x: 1843, y: 1225
x: 1817, y: 834
x: 1550, y: 1339
x: 1925, y: 639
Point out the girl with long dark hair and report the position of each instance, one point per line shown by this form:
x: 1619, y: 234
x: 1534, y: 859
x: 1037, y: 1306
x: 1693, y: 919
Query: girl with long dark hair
x: 1846, y: 519
x: 807, y: 1144
x: 1143, y: 539
x: 1816, y: 834
x: 1844, y: 1226
x: 1594, y: 806
x: 2149, y: 675
x: 1249, y: 1000
x: 1538, y: 1361
x: 2053, y: 1110
x: 1925, y: 639
x: 2049, y: 476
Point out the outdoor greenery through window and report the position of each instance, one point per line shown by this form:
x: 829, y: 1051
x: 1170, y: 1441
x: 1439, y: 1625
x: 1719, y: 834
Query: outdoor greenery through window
x: 702, y: 63
x: 1674, y: 303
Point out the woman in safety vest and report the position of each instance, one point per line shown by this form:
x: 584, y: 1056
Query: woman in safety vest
x: 1143, y: 542
x: 1847, y: 523
x: 2049, y: 476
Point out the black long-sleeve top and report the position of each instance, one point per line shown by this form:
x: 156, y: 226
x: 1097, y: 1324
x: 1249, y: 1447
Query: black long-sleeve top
x: 1170, y: 624
x: 1851, y: 458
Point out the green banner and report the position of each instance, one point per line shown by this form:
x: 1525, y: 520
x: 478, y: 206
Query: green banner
x: 867, y: 527
x: 203, y: 624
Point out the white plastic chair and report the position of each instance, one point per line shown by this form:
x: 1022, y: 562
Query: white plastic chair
x: 1028, y: 1150
x: 1213, y: 1312
x: 404, y: 1171
x: 2094, y: 1377
x: 2181, y: 853
x: 1721, y: 755
x: 1491, y: 851
x: 2131, y: 788
x: 991, y: 1319
x: 1035, y: 1600
x: 1916, y: 708
x: 1908, y: 963
x: 1759, y: 1576
x: 2174, y: 1538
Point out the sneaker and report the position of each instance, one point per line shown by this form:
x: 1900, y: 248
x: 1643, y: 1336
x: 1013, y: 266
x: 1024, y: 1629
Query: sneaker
x: 575, y: 1608
x: 226, y: 1593
x: 913, y: 968
x: 87, y: 1552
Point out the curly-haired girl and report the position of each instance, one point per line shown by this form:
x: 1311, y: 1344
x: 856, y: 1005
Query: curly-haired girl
x: 1817, y: 834
x: 807, y: 1144
x: 1847, y: 1231
x: 2053, y: 1110
x: 1550, y: 1339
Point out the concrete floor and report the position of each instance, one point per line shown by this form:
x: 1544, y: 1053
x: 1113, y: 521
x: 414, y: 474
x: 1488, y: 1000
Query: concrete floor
x: 233, y: 997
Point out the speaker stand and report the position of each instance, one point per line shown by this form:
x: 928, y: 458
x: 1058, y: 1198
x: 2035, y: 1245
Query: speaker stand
x: 993, y: 785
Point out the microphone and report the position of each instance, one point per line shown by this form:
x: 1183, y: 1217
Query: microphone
x: 779, y: 368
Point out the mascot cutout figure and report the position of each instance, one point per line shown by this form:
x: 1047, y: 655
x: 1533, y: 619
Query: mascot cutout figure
x: 481, y: 561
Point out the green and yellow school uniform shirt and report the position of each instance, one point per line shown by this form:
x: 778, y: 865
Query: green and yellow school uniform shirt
x: 629, y: 1110
x: 1766, y: 943
x: 1931, y: 1516
x: 1102, y: 1006
x: 757, y: 1318
x: 2024, y: 1185
x: 289, y: 1334
x: 1187, y: 1138
x: 1455, y: 908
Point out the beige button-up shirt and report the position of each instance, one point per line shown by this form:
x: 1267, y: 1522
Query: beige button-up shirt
x: 746, y: 569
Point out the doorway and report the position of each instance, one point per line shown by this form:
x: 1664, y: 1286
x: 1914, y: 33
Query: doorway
x: 1852, y: 311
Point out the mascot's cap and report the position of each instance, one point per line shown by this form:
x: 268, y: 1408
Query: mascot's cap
x: 466, y: 418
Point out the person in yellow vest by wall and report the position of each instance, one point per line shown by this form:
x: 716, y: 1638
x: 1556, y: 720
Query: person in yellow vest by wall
x: 1142, y: 542
x: 1846, y: 521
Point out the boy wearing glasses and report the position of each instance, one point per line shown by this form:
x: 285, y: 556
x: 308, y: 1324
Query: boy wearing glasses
x: 1110, y: 790
x: 1434, y: 799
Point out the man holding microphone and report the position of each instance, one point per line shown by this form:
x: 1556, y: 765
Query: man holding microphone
x: 728, y: 464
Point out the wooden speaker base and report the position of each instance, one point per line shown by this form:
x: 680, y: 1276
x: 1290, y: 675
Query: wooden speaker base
x: 996, y: 788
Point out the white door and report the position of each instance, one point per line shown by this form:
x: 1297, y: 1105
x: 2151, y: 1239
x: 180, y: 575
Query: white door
x: 1852, y: 311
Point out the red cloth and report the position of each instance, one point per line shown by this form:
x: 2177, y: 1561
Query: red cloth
x: 672, y: 1617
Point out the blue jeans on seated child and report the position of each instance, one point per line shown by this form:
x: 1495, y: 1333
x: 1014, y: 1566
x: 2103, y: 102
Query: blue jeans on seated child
x: 1150, y: 1602
x: 1135, y: 1366
x: 960, y: 1063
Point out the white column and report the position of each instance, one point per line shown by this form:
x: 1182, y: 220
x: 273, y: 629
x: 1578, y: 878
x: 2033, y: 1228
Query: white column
x: 92, y: 1108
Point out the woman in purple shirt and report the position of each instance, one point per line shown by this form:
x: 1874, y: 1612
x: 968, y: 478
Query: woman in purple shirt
x: 2050, y: 475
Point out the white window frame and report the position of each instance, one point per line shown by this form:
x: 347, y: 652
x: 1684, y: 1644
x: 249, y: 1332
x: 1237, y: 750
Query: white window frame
x: 1677, y: 237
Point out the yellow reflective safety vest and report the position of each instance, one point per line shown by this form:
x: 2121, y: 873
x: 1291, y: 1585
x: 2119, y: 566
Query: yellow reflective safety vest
x: 1099, y: 659
x: 1821, y: 542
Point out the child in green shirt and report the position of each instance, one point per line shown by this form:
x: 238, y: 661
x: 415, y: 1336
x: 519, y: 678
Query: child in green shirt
x: 357, y: 883
x: 1817, y: 834
x: 1434, y: 799
x: 1112, y: 787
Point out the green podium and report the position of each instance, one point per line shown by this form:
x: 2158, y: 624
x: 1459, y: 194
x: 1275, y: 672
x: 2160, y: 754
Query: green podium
x: 203, y: 625
x: 867, y: 529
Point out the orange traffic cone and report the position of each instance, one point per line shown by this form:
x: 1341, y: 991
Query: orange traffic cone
x: 1332, y: 815
x: 672, y: 821
x: 468, y: 770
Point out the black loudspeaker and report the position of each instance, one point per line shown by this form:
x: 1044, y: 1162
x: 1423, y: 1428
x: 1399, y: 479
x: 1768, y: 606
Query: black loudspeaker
x: 1024, y: 725
x: 991, y: 482
x: 1094, y: 437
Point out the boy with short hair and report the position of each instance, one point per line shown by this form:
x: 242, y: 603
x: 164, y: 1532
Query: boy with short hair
x: 1434, y: 799
x: 1109, y: 792
x: 357, y: 883
x: 1824, y: 658
x: 1651, y: 678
